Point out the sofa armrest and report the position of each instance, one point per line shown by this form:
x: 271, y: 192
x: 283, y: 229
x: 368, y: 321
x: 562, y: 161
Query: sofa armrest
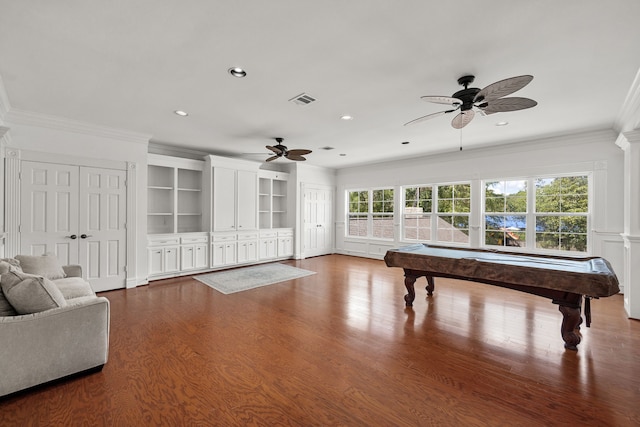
x: 72, y: 270
x: 53, y: 344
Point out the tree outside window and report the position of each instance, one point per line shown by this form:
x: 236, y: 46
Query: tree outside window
x: 505, y: 213
x: 453, y: 208
x: 561, y: 213
x: 371, y: 213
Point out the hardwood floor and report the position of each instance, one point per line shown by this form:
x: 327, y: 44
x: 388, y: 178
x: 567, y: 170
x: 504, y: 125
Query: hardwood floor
x: 339, y: 348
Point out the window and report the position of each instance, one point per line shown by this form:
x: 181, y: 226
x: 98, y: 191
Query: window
x: 418, y: 207
x: 561, y: 213
x: 505, y: 213
x: 548, y: 213
x: 453, y: 208
x: 358, y: 213
x: 371, y: 213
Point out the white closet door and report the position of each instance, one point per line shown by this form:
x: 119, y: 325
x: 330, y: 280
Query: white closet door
x: 247, y: 193
x: 318, y: 228
x: 78, y: 213
x: 102, y: 222
x: 49, y: 210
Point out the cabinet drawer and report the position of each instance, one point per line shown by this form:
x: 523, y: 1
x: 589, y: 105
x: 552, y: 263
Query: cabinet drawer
x: 247, y: 236
x: 163, y: 241
x: 285, y: 233
x: 199, y: 239
x: 268, y: 234
x: 224, y: 237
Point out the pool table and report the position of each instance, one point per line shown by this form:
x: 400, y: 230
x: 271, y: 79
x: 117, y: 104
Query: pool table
x: 565, y: 280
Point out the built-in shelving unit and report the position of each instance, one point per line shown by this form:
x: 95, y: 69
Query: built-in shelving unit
x: 174, y: 196
x: 272, y: 204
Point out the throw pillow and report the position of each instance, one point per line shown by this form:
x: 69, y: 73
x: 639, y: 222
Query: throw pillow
x: 6, y: 309
x: 46, y: 265
x: 30, y: 294
x: 12, y: 262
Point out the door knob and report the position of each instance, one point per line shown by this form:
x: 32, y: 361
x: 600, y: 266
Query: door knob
x: 73, y: 237
x: 84, y: 236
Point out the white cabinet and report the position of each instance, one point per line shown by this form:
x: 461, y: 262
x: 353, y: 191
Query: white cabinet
x: 247, y: 247
x: 232, y: 188
x: 268, y: 244
x: 174, y: 195
x: 193, y: 253
x: 272, y: 203
x: 224, y: 250
x: 285, y: 243
x: 163, y: 256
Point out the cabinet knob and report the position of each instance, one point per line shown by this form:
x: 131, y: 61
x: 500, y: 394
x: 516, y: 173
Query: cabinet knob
x: 72, y: 237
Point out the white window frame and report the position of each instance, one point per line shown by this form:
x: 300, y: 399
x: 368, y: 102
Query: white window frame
x: 532, y: 215
x: 370, y: 214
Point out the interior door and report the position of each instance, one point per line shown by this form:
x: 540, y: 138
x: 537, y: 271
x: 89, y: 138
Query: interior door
x: 102, y: 227
x: 318, y: 227
x: 49, y: 210
x: 79, y: 214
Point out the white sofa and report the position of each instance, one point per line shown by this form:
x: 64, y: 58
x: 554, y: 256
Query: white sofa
x: 66, y: 332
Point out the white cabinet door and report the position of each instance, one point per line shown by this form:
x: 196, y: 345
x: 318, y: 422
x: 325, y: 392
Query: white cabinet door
x: 187, y: 258
x: 247, y: 195
x: 171, y: 263
x: 156, y: 261
x: 224, y: 199
x: 200, y: 257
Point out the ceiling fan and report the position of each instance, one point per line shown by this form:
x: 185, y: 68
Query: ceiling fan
x: 486, y: 101
x: 282, y: 151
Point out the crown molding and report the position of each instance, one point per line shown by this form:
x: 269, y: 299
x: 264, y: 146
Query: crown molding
x: 28, y: 118
x: 629, y: 115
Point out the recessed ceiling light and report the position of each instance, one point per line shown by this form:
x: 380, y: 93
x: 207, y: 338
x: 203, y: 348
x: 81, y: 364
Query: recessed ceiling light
x: 404, y: 142
x: 237, y: 72
x: 181, y: 113
x: 502, y: 123
x: 346, y: 117
x: 342, y: 154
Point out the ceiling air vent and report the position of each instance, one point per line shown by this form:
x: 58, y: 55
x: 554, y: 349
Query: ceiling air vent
x: 302, y: 99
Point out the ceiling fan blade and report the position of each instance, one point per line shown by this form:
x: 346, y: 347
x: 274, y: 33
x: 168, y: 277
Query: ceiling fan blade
x: 502, y: 88
x: 272, y: 158
x: 295, y: 157
x: 442, y: 100
x: 274, y: 149
x: 509, y: 104
x: 298, y: 152
x: 462, y: 119
x: 428, y: 116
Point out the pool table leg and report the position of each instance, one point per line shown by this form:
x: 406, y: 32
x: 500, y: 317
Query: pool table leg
x: 409, y: 282
x: 430, y: 285
x: 571, y: 320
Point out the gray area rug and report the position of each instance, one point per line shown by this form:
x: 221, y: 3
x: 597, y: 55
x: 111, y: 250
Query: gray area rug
x: 242, y: 279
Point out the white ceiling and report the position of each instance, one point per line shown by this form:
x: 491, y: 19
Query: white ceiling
x: 129, y: 64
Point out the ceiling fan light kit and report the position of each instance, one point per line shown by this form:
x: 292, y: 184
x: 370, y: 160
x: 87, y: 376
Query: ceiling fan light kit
x: 489, y: 100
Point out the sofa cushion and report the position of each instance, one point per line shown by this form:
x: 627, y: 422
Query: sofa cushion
x: 46, y: 265
x: 74, y: 287
x: 28, y: 293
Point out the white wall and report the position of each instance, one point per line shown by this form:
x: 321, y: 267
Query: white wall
x: 81, y: 143
x: 593, y: 152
